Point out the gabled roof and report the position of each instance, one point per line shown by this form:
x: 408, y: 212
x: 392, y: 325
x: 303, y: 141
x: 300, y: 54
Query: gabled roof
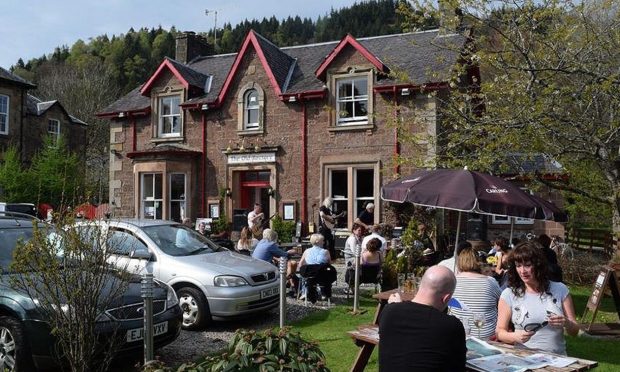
x: 425, y: 58
x: 36, y: 107
x: 187, y: 76
x: 349, y: 40
x: 8, y: 76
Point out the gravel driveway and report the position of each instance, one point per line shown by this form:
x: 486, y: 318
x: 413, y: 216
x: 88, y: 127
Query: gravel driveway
x: 193, y: 344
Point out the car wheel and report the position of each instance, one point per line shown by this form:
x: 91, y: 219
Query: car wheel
x: 14, y: 354
x: 195, y: 308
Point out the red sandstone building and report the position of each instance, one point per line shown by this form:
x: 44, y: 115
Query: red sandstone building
x: 285, y: 127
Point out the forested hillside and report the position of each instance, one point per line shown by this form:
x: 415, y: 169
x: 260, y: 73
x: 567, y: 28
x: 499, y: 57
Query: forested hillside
x: 130, y: 58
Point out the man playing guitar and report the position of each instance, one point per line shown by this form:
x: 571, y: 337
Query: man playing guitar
x: 255, y: 221
x: 327, y: 221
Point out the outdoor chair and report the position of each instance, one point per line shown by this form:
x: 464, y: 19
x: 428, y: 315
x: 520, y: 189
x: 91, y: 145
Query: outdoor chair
x: 317, y: 279
x: 369, y: 274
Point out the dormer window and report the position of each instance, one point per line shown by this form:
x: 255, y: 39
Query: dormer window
x: 169, y: 117
x: 251, y: 109
x: 352, y: 100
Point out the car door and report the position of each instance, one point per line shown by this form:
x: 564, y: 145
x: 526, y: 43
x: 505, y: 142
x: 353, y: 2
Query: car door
x: 122, y: 245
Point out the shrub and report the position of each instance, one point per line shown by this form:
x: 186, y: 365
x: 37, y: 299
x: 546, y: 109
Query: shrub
x: 249, y: 351
x: 582, y: 269
x: 285, y: 229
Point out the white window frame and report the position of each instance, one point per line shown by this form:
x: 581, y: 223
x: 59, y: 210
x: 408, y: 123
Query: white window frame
x: 53, y: 129
x: 365, y: 199
x: 172, y: 115
x: 505, y: 220
x: 352, y: 198
x: 354, y: 119
x: 249, y: 107
x: 144, y: 199
x: 183, y: 200
x: 4, y: 115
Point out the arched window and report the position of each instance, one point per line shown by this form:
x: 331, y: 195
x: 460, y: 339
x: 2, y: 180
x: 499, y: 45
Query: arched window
x: 251, y: 107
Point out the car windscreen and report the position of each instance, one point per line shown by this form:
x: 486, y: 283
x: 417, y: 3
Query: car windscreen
x: 179, y: 240
x: 9, y: 239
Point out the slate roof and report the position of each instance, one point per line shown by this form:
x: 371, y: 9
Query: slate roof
x: 36, y: 107
x: 519, y: 163
x: 193, y: 77
x: 6, y: 75
x: 424, y: 57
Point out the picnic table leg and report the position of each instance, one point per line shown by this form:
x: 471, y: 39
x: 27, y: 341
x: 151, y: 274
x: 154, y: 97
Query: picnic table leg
x: 380, y: 306
x: 362, y: 357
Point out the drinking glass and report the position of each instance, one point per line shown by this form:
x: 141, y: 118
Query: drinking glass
x: 466, y: 320
x: 479, y: 321
x: 402, y: 277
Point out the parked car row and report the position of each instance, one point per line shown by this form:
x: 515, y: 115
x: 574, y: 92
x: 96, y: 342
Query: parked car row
x: 196, y: 282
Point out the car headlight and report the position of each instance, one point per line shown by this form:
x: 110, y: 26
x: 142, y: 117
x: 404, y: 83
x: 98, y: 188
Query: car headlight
x: 229, y: 281
x: 171, y: 297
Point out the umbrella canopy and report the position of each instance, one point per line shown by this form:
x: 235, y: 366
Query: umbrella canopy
x: 465, y: 191
x: 549, y: 210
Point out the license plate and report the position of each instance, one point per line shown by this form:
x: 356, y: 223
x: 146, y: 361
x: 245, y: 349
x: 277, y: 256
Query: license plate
x: 137, y: 334
x: 269, y: 292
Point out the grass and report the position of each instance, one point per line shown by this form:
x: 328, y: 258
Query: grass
x: 330, y: 328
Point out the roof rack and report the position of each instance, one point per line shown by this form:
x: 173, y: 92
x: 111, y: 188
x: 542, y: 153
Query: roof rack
x: 18, y: 215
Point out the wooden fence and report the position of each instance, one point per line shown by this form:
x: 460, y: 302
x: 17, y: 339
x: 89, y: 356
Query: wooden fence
x: 592, y: 240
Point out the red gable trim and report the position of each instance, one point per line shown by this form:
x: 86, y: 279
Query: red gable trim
x: 146, y: 88
x: 250, y: 39
x: 349, y: 40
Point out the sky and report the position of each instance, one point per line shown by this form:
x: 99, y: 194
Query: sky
x: 31, y: 28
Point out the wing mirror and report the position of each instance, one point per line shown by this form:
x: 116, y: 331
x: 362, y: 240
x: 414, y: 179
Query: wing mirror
x: 140, y: 253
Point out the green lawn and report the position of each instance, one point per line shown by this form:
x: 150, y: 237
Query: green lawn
x: 330, y: 328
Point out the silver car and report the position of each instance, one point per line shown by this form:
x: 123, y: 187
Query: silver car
x: 210, y: 280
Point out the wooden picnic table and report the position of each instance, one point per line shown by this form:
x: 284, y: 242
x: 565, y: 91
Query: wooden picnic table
x: 369, y: 335
x: 366, y: 345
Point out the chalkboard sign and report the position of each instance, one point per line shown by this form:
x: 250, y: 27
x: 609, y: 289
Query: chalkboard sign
x: 606, y: 277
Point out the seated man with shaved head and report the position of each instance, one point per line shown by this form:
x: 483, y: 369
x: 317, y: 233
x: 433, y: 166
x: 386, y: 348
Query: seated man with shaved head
x: 418, y: 335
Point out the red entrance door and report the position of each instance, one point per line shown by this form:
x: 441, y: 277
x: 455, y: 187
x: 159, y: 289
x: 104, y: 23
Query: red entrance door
x: 254, y: 186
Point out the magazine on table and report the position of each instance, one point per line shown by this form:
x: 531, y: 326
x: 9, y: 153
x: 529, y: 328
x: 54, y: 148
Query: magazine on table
x: 483, y: 356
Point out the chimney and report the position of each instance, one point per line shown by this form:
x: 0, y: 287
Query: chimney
x: 189, y: 46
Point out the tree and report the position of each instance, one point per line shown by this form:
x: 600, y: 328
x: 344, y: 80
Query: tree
x: 71, y: 280
x: 56, y: 176
x: 14, y: 181
x: 549, y: 85
x: 84, y: 91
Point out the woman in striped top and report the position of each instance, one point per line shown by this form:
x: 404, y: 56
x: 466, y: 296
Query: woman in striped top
x: 479, y: 294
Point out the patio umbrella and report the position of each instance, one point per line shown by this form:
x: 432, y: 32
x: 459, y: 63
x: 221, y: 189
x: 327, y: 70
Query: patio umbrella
x: 466, y: 191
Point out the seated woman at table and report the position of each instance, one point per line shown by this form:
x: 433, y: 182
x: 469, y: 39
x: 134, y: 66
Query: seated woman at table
x: 371, y: 258
x: 539, y: 309
x: 247, y: 242
x: 501, y: 255
x: 315, y: 255
x: 478, y: 292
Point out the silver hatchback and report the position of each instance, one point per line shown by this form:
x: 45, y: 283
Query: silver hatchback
x: 210, y: 280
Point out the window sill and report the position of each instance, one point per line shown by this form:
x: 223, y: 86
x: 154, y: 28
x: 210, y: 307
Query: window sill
x: 250, y: 132
x: 357, y: 127
x: 167, y: 139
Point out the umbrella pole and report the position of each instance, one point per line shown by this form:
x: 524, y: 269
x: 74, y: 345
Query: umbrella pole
x: 512, y: 226
x: 456, y: 241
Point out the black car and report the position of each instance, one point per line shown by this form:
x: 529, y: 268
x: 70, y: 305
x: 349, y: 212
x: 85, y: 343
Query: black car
x: 25, y: 339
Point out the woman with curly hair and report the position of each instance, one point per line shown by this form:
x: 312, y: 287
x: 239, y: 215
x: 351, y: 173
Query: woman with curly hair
x: 539, y: 309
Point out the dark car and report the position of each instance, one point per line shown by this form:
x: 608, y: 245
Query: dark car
x: 25, y: 339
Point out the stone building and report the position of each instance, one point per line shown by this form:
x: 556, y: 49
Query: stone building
x: 208, y: 135
x: 25, y: 120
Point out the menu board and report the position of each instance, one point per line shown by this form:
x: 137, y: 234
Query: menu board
x: 606, y: 277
